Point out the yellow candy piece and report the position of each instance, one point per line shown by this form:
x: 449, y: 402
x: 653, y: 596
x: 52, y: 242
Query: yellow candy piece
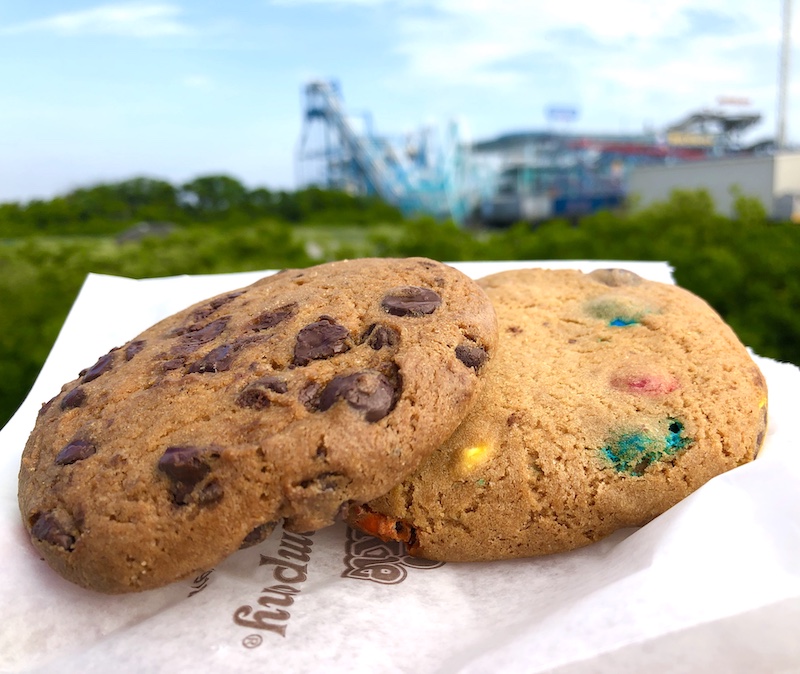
x: 472, y: 457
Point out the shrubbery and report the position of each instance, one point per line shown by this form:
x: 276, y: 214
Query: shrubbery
x: 744, y: 266
x: 113, y: 208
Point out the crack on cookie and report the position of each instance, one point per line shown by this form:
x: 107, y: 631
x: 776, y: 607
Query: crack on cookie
x: 324, y: 482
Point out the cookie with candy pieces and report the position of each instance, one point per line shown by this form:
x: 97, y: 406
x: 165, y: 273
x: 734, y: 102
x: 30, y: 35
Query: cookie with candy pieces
x: 610, y: 399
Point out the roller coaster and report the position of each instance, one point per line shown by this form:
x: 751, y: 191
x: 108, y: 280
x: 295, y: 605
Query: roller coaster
x: 525, y: 176
x: 421, y: 173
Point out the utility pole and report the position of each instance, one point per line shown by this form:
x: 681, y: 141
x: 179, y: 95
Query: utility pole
x: 783, y: 83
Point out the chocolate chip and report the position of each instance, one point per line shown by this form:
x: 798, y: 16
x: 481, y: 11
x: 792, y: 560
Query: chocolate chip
x: 195, y: 336
x: 378, y: 336
x: 258, y: 535
x: 76, y: 450
x: 173, y: 364
x: 309, y: 396
x: 369, y: 392
x: 254, y: 398
x: 102, y: 365
x: 184, y: 467
x: 411, y: 301
x: 48, y: 529
x: 217, y: 302
x: 256, y: 393
x: 208, y: 309
x: 74, y: 398
x: 183, y: 464
x: 319, y: 340
x: 274, y: 384
x: 216, y: 360
x: 46, y: 406
x: 472, y: 356
x: 245, y: 341
x: 269, y: 319
x: 133, y: 348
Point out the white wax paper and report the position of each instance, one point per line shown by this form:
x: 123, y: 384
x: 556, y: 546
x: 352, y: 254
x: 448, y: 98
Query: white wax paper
x: 711, y: 585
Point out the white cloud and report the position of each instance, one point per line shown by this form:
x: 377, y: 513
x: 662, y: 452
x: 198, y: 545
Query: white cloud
x: 503, y: 44
x: 626, y: 58
x: 141, y: 20
x: 470, y: 36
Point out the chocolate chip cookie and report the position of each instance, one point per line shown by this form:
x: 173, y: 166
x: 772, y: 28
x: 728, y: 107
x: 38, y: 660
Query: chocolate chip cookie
x: 279, y: 401
x: 611, y: 398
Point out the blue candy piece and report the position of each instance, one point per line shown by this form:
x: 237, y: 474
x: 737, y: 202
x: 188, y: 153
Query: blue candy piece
x: 618, y: 312
x: 632, y: 453
x: 621, y: 322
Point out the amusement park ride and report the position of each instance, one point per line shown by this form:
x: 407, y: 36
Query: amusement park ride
x: 523, y: 176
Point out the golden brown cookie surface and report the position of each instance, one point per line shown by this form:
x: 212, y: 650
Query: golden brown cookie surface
x: 279, y: 401
x: 610, y: 399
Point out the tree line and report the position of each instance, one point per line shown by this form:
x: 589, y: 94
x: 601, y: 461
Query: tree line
x: 745, y: 266
x: 113, y: 207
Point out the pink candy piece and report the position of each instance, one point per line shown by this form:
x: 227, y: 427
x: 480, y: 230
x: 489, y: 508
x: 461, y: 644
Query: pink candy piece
x: 645, y: 384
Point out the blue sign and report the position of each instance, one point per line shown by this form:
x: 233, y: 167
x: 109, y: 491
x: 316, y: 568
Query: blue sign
x: 561, y: 113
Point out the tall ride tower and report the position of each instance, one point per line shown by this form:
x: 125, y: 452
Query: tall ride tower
x: 418, y: 175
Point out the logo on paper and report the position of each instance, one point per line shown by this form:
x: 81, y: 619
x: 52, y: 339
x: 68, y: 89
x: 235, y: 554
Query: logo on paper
x: 290, y: 569
x: 200, y: 583
x: 384, y: 562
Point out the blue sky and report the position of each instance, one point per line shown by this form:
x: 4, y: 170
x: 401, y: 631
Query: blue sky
x: 98, y: 92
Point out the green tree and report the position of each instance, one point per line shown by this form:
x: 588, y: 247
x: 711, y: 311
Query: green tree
x: 210, y: 197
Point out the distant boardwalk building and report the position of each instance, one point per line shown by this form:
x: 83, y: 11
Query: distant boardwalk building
x: 772, y: 179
